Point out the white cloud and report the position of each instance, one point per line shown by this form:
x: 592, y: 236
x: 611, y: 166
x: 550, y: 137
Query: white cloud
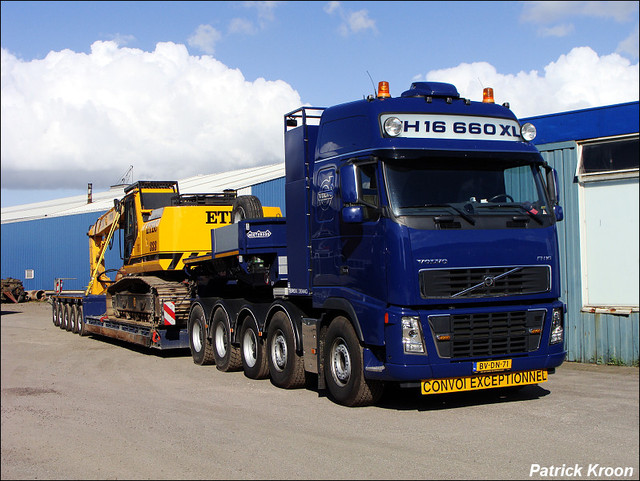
x: 548, y: 14
x: 243, y: 26
x: 577, y: 80
x: 204, y: 38
x: 545, y: 12
x: 331, y: 7
x: 629, y: 46
x: 352, y: 22
x: 73, y: 118
x: 360, y: 20
x: 265, y: 15
x: 561, y: 30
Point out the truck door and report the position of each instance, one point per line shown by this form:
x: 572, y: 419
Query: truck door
x: 362, y: 243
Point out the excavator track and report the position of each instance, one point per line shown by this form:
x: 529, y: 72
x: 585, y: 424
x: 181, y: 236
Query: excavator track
x: 141, y: 299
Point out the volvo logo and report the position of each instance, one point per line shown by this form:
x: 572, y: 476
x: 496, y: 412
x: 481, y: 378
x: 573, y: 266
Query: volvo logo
x: 489, y: 281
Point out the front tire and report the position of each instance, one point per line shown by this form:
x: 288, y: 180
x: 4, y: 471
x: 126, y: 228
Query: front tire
x: 343, y: 368
x: 285, y: 365
x: 201, y: 348
x: 253, y: 350
x: 227, y: 356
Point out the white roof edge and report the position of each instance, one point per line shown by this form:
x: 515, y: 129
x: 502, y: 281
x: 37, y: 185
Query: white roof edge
x: 102, y: 201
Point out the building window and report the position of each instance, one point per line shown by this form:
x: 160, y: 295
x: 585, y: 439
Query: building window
x: 608, y: 179
x: 609, y: 157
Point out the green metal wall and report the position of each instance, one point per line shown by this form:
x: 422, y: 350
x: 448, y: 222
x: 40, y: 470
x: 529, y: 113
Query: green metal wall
x: 590, y: 337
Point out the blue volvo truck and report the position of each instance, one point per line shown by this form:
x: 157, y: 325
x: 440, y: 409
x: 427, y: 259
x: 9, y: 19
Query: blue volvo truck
x: 419, y: 247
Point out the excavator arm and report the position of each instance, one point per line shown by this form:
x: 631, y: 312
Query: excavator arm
x: 100, y: 235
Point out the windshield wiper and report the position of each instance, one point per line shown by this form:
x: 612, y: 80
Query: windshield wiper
x: 458, y: 210
x: 524, y: 206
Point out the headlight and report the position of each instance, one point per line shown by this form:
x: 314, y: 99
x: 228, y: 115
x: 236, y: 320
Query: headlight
x: 557, y: 328
x: 412, y: 335
x: 393, y: 126
x: 528, y: 132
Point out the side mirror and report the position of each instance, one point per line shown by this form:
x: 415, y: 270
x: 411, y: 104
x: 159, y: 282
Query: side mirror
x: 349, y: 184
x: 553, y: 186
x: 557, y: 210
x: 353, y: 214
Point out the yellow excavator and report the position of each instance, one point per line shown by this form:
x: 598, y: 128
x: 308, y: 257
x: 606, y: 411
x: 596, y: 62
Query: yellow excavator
x: 158, y: 228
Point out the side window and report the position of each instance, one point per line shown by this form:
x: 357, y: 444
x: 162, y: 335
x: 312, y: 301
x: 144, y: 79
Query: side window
x: 368, y: 185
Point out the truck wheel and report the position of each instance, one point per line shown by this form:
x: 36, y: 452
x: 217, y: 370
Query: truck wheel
x: 73, y: 319
x: 246, y: 207
x: 61, y: 323
x: 201, y: 348
x: 67, y: 317
x: 254, y: 352
x: 227, y: 356
x: 54, y: 310
x: 82, y: 326
x: 285, y: 365
x: 343, y: 369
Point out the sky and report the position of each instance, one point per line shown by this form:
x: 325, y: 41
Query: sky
x: 178, y: 89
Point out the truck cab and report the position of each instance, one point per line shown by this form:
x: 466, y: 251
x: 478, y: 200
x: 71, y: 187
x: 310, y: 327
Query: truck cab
x: 432, y: 226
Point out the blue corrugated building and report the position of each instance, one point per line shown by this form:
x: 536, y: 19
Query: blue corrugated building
x: 595, y: 152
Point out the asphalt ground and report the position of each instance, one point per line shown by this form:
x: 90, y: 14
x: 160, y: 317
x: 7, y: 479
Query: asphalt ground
x: 91, y: 408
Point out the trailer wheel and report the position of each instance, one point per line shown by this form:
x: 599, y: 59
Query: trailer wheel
x: 82, y: 326
x: 54, y: 310
x: 246, y: 207
x: 227, y: 356
x: 67, y: 317
x: 285, y: 365
x: 254, y: 352
x: 63, y: 321
x: 201, y: 348
x: 343, y: 369
x: 73, y: 319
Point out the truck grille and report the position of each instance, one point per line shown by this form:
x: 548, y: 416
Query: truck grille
x: 487, y: 334
x: 484, y: 282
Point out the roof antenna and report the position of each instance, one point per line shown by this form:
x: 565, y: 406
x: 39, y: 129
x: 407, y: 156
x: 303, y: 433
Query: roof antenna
x: 374, y: 86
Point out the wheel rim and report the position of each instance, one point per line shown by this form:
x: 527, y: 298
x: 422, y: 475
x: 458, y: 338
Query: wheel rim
x: 196, y: 337
x: 221, y: 340
x: 250, y: 348
x: 340, y: 362
x: 279, y: 351
x: 240, y: 215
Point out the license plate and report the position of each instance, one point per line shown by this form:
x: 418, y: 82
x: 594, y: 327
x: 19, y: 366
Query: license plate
x: 492, y: 366
x: 483, y: 381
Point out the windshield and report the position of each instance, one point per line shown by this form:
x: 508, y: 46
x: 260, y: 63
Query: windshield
x: 464, y: 186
